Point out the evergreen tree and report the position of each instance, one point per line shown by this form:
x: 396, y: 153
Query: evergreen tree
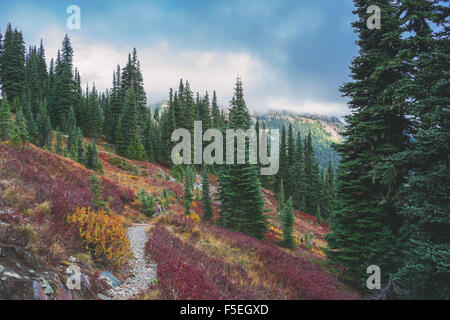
x: 240, y: 194
x: 5, y: 119
x: 425, y: 199
x: 365, y: 224
x: 96, y: 192
x: 21, y: 128
x: 64, y: 86
x: 297, y: 176
x: 79, y: 146
x: 206, y: 197
x: 59, y: 146
x: 287, y: 225
x: 215, y: 112
x: 12, y: 67
x: 283, y: 170
x: 43, y: 127
x: 188, y: 185
x: 136, y: 150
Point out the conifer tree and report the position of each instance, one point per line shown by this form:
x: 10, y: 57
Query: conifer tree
x: 215, y: 112
x: 287, y: 225
x: 58, y: 146
x: 425, y: 199
x: 282, y: 172
x: 240, y: 194
x: 188, y: 185
x: 365, y: 223
x: 64, y: 86
x: 79, y: 146
x: 206, y: 197
x: 43, y: 126
x: 96, y: 192
x: 12, y: 67
x: 21, y: 128
x: 297, y: 176
x: 136, y: 150
x: 5, y: 119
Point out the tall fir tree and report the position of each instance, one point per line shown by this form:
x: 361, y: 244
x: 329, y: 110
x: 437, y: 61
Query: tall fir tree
x: 5, y: 119
x: 425, y: 199
x: 12, y: 67
x: 242, y: 204
x: 287, y: 225
x: 206, y: 196
x: 365, y: 224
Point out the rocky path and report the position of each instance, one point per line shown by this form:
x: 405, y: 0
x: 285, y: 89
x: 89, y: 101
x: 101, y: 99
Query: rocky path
x: 143, y: 272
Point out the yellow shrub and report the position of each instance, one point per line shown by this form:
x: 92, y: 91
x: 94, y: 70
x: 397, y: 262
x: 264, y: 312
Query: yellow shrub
x: 194, y: 217
x: 104, y: 236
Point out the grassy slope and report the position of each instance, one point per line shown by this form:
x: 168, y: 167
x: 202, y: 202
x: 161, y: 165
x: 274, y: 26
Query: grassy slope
x: 30, y: 180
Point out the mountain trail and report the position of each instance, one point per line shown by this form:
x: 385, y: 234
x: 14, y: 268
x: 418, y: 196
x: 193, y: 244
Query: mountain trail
x: 143, y: 272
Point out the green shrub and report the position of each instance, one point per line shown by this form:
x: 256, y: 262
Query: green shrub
x: 147, y: 202
x: 121, y: 164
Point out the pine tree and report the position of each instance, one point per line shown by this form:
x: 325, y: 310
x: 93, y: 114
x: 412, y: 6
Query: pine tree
x: 287, y: 225
x: 206, y: 197
x: 128, y: 124
x: 297, y: 176
x: 215, y: 112
x: 96, y: 192
x: 64, y: 86
x: 242, y: 204
x: 188, y: 185
x: 12, y: 68
x: 365, y: 224
x: 59, y: 141
x: 79, y: 146
x: 136, y: 150
x: 425, y: 199
x: 21, y: 128
x: 5, y: 119
x: 43, y: 126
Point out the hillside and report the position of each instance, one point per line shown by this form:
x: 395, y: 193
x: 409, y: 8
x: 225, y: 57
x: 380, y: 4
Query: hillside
x: 39, y: 189
x: 324, y: 131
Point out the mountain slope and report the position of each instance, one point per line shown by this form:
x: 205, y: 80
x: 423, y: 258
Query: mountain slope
x: 324, y: 131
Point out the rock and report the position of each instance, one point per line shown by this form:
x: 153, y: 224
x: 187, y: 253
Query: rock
x: 11, y: 274
x: 3, y: 278
x: 85, y: 281
x: 103, y: 297
x: 1, y: 268
x: 32, y: 271
x: 63, y: 293
x: 18, y: 265
x: 110, y: 279
x: 38, y: 293
x: 46, y: 286
x: 48, y: 290
x: 72, y: 259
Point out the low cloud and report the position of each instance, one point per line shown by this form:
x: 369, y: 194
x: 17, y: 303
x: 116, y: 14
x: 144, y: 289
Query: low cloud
x: 163, y: 65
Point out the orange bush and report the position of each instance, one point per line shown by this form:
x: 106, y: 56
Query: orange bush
x: 104, y: 236
x: 195, y: 217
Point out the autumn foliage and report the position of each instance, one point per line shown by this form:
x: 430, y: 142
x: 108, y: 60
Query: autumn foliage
x: 103, y: 235
x: 201, y: 261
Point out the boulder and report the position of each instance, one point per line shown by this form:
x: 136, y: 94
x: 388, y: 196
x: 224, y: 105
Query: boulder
x: 110, y: 279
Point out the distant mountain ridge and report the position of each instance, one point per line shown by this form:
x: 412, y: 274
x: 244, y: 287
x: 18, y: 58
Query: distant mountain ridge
x: 325, y: 130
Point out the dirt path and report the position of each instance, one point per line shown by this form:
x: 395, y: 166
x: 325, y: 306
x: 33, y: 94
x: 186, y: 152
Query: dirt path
x: 143, y: 271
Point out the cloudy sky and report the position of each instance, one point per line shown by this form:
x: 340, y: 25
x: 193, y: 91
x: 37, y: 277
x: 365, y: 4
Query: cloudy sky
x: 291, y: 54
